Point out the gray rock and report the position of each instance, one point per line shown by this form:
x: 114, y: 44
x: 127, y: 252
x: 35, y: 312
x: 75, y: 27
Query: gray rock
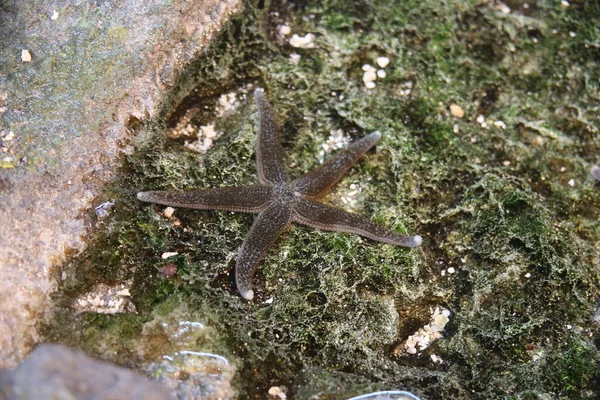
x: 57, y: 372
x: 90, y: 69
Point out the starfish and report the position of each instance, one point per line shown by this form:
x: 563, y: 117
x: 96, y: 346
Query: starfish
x: 278, y: 201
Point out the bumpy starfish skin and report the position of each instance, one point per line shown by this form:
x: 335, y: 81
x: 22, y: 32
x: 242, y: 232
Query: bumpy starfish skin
x: 279, y: 201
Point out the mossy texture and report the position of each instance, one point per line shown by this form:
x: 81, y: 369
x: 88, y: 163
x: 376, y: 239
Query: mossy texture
x: 502, y: 196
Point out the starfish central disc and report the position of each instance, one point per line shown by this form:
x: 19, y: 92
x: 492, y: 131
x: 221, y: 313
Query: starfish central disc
x: 279, y: 201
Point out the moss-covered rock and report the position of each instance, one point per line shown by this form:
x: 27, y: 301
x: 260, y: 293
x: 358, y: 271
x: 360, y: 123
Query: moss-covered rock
x: 502, y: 196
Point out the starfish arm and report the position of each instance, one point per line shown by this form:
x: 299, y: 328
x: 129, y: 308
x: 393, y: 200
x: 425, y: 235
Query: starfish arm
x: 250, y: 199
x: 321, y: 216
x: 267, y: 226
x: 269, y: 153
x: 316, y: 182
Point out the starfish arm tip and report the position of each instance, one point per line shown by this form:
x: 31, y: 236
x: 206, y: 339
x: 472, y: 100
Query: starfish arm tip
x: 142, y: 196
x: 247, y: 294
x: 417, y: 240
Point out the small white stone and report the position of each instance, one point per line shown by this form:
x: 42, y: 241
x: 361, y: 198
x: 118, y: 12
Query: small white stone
x: 506, y: 163
x: 528, y: 275
x: 54, y: 15
x: 500, y: 124
x: 456, y: 111
x: 565, y: 3
x: 169, y: 254
x: 572, y: 182
x: 274, y: 391
x: 443, y: 272
x: 285, y: 30
x: 381, y: 73
x: 504, y: 8
x: 367, y: 67
x: 370, y: 85
x: 168, y: 212
x: 369, y: 76
x: 480, y: 119
x: 25, y: 56
x: 569, y: 327
x: 383, y: 62
x: 451, y: 270
x: 436, y: 359
x: 304, y: 42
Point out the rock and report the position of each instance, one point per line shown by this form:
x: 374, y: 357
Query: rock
x: 76, y: 376
x: 65, y: 117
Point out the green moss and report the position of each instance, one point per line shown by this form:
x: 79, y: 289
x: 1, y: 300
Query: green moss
x: 577, y: 366
x: 496, y: 204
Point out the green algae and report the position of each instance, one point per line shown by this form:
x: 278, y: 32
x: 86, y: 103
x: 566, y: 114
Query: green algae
x: 496, y: 204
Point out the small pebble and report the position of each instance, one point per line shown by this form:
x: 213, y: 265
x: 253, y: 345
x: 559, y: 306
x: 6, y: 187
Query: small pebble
x: 504, y: 8
x: 277, y: 392
x: 367, y: 67
x: 169, y: 270
x: 285, y: 30
x: 572, y: 182
x: 54, y: 15
x: 168, y: 254
x: 382, y: 62
x: 381, y: 73
x: 500, y: 124
x: 369, y: 77
x: 451, y: 270
x: 528, y: 275
x: 303, y: 42
x: 436, y: 359
x: 25, y: 56
x: 456, y: 111
x: 168, y: 212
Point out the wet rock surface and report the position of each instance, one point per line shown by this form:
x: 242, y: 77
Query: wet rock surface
x: 56, y: 372
x: 489, y: 119
x: 73, y: 80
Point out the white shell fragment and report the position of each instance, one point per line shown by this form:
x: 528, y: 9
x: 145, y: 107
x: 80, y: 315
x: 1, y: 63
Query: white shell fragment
x: 25, y: 56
